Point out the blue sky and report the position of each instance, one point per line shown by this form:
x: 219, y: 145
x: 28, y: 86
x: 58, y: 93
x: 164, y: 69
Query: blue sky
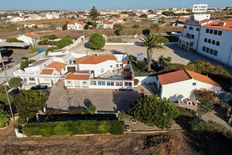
x: 104, y: 4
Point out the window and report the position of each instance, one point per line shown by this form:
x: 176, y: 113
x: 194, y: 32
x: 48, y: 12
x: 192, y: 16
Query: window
x: 207, y: 30
x: 185, y: 27
x: 218, y: 43
x: 205, y: 40
x: 194, y: 83
x: 31, y: 79
x: 110, y: 83
x: 93, y: 83
x: 191, y: 44
x: 211, y: 51
x: 203, y: 48
x: 192, y: 37
x: 111, y: 66
x: 190, y: 28
x: 68, y: 82
x: 211, y: 31
x: 207, y: 50
x: 128, y: 84
x: 219, y: 33
x: 215, y: 32
x: 215, y: 53
x: 198, y: 29
x: 209, y: 41
x: 119, y: 83
x: 213, y: 42
x: 101, y: 83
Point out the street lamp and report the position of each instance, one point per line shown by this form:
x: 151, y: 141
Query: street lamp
x: 7, y: 95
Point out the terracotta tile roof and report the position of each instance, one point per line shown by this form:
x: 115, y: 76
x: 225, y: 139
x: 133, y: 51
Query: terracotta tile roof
x: 47, y: 71
x: 94, y: 59
x: 202, y: 78
x: 183, y: 75
x: 216, y: 24
x: 74, y: 22
x: 108, y: 22
x: 77, y: 76
x: 32, y: 35
x: 173, y: 77
x: 58, y: 66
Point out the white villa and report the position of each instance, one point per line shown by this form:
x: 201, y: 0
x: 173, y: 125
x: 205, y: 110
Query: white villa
x: 75, y: 25
x: 79, y: 71
x: 108, y: 24
x: 29, y: 38
x: 179, y: 85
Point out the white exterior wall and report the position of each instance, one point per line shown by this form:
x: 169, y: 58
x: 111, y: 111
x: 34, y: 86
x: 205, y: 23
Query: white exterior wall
x: 75, y: 26
x: 224, y: 50
x: 199, y: 8
x: 98, y: 69
x: 108, y: 26
x: 28, y: 40
x: 200, y: 17
x: 181, y: 90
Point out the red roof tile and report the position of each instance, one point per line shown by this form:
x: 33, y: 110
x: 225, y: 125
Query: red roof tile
x: 183, y: 75
x: 77, y: 76
x: 94, y: 59
x: 47, y: 71
x: 216, y: 24
x: 32, y: 35
x: 58, y: 66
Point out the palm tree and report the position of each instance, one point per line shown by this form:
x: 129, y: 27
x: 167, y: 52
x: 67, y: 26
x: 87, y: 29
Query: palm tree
x: 151, y: 41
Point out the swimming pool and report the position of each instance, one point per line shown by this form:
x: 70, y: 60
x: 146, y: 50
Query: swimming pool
x: 115, y: 76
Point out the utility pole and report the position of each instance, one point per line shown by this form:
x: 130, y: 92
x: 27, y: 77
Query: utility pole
x: 7, y: 95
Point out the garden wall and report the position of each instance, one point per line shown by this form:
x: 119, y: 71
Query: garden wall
x: 146, y: 79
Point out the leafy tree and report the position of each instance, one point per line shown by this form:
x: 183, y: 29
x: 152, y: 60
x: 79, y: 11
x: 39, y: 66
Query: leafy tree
x: 168, y: 13
x: 64, y: 42
x: 118, y: 29
x: 151, y: 41
x: 163, y: 62
x: 65, y: 26
x: 29, y: 102
x: 4, y: 119
x: 154, y: 110
x: 3, y: 98
x: 96, y: 41
x: 143, y: 16
x: 25, y: 63
x: 94, y: 13
x: 14, y: 82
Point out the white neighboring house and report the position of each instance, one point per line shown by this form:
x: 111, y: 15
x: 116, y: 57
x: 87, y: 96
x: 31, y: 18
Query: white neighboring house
x: 29, y: 38
x: 108, y: 24
x: 198, y: 8
x: 42, y: 72
x: 75, y: 25
x: 100, y: 72
x: 179, y: 85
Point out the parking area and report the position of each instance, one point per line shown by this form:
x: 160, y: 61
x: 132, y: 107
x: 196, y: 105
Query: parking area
x: 104, y: 100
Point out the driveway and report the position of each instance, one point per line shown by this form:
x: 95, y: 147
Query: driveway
x: 104, y: 100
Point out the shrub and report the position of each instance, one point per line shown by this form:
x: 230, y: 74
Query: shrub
x: 96, y: 41
x: 14, y: 82
x: 92, y: 109
x: 53, y: 48
x: 26, y: 63
x: 64, y: 42
x: 141, y: 65
x: 154, y: 110
x: 4, y: 119
x: 136, y: 81
x: 74, y: 127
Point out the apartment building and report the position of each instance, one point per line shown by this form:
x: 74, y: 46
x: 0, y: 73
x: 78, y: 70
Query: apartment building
x: 199, y: 8
x: 209, y: 38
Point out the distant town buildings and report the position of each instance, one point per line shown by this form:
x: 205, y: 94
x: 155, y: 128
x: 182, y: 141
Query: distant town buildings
x: 200, y: 8
x: 75, y: 25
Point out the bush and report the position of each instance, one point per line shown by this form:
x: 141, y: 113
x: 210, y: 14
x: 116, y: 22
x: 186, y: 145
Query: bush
x: 14, y: 82
x: 154, y: 110
x: 141, y: 65
x: 26, y: 63
x: 96, y: 41
x: 64, y: 42
x: 4, y: 119
x: 74, y: 127
x: 136, y: 81
x: 92, y: 109
x: 53, y: 48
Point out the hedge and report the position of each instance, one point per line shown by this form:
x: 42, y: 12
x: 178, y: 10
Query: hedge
x: 68, y: 128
